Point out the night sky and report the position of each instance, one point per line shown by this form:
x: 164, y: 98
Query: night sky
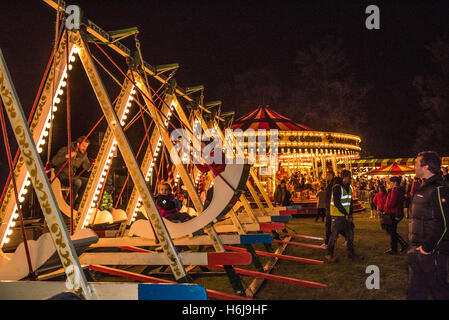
x: 217, y: 41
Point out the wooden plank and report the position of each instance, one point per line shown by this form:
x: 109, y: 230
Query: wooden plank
x: 37, y: 290
x: 198, y: 240
x: 148, y: 279
x: 268, y: 227
x: 147, y: 258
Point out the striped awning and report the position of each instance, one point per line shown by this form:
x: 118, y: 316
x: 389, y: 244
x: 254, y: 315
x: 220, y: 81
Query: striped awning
x: 392, y: 170
x: 379, y: 162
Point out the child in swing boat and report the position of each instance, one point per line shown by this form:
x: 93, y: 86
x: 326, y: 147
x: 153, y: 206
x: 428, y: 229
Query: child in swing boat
x: 168, y: 205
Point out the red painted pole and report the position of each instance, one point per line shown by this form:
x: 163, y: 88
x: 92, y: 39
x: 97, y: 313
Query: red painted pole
x: 300, y: 244
x: 279, y: 256
x: 300, y: 236
x: 268, y: 276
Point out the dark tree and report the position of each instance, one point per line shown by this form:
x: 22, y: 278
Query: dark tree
x: 433, y: 90
x: 253, y: 88
x: 327, y: 95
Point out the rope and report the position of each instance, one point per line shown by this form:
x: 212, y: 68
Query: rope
x: 16, y: 194
x: 127, y: 177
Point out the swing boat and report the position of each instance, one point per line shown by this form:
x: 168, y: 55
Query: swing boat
x: 219, y: 207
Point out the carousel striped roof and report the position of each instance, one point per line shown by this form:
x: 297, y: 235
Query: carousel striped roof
x: 266, y: 118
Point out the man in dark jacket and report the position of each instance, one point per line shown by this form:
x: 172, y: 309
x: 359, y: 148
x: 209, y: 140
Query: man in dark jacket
x: 330, y: 182
x: 79, y: 159
x: 428, y: 232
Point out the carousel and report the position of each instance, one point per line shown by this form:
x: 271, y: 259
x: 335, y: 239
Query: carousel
x: 301, y: 149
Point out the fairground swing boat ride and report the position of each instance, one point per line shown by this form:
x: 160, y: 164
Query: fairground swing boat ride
x: 152, y: 241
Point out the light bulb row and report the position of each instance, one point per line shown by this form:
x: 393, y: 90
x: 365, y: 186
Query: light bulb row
x: 15, y: 214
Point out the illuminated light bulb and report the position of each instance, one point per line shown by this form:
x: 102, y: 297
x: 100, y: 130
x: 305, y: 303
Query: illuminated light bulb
x: 27, y: 183
x: 95, y: 198
x: 133, y: 91
x: 72, y: 59
x: 109, y: 161
x: 88, y: 217
x: 128, y: 104
x: 9, y: 232
x: 122, y: 123
x: 6, y: 240
x: 124, y: 117
x: 15, y: 216
x: 39, y: 150
x: 102, y: 180
x: 75, y: 49
x: 97, y: 192
x: 60, y: 91
x: 24, y: 191
x: 133, y: 219
x: 70, y: 67
x: 64, y: 75
x: 57, y: 100
x: 63, y: 84
x: 126, y: 111
x: 131, y: 98
x: 12, y: 224
x: 147, y: 179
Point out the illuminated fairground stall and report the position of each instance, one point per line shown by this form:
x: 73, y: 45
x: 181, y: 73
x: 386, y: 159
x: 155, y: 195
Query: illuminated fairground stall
x: 301, y: 149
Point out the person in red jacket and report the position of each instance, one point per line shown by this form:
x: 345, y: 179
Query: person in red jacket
x: 380, y: 198
x: 394, y: 208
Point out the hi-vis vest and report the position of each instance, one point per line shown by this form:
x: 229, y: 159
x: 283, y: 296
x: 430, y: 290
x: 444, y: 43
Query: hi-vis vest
x: 345, y: 202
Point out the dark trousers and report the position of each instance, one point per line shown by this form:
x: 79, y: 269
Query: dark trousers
x: 321, y: 213
x: 340, y: 224
x: 328, y: 225
x: 427, y: 276
x: 78, y: 187
x: 395, y: 238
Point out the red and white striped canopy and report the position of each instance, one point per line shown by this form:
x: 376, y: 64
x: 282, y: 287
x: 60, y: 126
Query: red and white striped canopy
x: 266, y: 118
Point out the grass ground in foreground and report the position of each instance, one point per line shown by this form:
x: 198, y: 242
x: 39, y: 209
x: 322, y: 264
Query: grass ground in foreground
x: 345, y: 279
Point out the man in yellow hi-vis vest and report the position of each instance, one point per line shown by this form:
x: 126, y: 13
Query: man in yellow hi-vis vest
x: 341, y: 215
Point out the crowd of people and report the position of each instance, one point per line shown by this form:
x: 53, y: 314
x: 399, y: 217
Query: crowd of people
x: 422, y: 200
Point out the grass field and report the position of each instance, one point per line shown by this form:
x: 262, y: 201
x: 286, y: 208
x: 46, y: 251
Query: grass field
x: 345, y: 279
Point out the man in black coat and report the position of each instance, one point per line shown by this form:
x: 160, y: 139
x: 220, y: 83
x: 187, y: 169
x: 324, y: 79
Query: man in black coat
x: 428, y: 232
x: 78, y: 154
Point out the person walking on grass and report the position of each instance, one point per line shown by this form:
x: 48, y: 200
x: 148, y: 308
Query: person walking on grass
x: 428, y: 232
x: 321, y: 204
x: 394, y: 209
x: 341, y: 215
